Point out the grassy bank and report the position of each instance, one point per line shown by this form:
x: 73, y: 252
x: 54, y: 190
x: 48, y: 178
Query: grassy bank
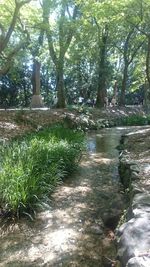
x: 33, y: 165
x: 134, y: 120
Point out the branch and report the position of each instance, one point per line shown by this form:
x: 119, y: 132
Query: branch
x: 22, y: 3
x: 9, y: 58
x: 70, y: 34
x: 61, y: 26
x: 137, y: 26
x: 135, y: 51
x: 2, y: 29
x: 46, y: 29
x: 5, y: 69
x: 51, y: 46
x: 13, y: 23
x: 68, y: 11
x: 118, y: 47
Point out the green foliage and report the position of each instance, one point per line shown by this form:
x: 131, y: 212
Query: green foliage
x: 31, y: 167
x: 74, y: 44
x: 83, y: 109
x: 134, y: 120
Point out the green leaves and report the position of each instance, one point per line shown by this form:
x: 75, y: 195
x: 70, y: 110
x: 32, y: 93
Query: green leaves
x: 32, y: 167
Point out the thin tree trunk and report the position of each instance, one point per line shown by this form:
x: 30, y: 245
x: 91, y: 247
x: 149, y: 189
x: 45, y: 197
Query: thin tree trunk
x: 101, y: 90
x: 124, y: 85
x: 60, y: 86
x: 147, y: 88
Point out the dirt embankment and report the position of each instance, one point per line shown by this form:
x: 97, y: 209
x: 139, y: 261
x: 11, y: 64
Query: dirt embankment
x: 16, y: 122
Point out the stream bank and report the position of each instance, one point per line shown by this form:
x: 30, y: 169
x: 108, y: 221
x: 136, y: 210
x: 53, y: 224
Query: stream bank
x: 16, y: 122
x: 134, y: 234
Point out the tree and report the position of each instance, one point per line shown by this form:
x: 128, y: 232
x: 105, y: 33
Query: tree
x: 7, y: 50
x: 140, y: 19
x: 59, y: 44
x: 102, y: 66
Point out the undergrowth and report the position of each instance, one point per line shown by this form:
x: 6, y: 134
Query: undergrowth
x: 33, y: 165
x: 134, y: 120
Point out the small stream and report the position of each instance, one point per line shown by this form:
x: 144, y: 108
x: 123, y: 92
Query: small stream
x: 77, y: 228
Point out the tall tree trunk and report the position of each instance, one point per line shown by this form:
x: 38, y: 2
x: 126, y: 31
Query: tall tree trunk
x: 36, y: 101
x: 101, y: 90
x: 147, y: 88
x: 124, y: 85
x: 60, y: 85
x: 25, y: 95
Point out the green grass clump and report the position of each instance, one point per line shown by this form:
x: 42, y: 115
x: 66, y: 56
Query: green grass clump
x: 134, y: 120
x: 31, y: 167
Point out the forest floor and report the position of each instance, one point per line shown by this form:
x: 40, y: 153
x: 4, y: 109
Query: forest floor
x: 14, y: 122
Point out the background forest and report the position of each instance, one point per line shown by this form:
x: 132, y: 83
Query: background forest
x: 78, y: 51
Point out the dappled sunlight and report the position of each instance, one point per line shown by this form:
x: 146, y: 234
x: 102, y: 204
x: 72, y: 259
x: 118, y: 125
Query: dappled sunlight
x: 69, y: 191
x: 70, y: 230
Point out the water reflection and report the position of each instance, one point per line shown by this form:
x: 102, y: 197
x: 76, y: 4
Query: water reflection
x: 104, y: 141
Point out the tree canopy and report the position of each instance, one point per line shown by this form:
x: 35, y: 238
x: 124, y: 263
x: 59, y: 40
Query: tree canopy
x: 95, y: 50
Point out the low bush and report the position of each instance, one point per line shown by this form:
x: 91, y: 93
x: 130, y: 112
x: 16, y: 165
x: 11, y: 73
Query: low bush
x: 32, y: 166
x: 134, y: 120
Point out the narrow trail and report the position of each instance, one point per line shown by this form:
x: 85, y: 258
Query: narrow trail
x: 77, y: 229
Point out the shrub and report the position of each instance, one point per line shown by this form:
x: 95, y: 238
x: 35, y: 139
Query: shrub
x: 134, y: 120
x: 34, y: 165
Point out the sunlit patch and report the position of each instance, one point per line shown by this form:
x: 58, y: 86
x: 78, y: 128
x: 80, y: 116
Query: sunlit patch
x: 33, y: 252
x: 8, y: 125
x: 140, y: 131
x: 147, y: 168
x: 104, y: 161
x: 101, y: 160
x: 85, y: 163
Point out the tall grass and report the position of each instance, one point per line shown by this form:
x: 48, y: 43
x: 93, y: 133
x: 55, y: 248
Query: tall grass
x: 32, y: 166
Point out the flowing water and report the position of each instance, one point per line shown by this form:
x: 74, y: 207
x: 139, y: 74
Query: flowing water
x: 76, y: 229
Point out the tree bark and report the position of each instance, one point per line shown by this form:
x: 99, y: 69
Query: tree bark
x: 101, y: 91
x: 60, y: 86
x: 124, y: 85
x: 147, y: 87
x: 36, y: 101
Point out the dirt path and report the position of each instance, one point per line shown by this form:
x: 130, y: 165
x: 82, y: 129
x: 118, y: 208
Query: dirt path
x: 77, y: 229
